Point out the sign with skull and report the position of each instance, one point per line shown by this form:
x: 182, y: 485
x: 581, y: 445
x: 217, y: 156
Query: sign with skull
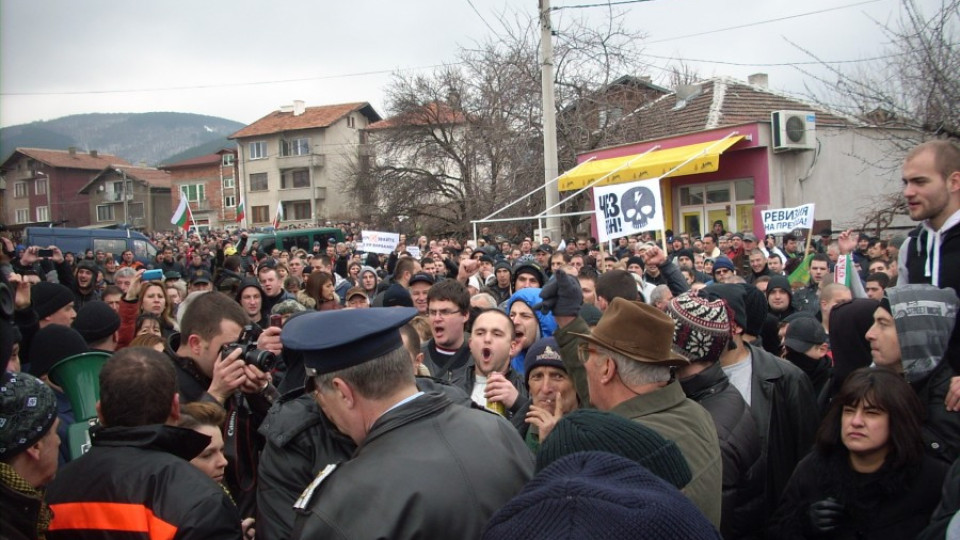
x: 625, y: 209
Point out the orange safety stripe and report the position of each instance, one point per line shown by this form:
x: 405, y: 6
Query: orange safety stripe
x: 108, y: 516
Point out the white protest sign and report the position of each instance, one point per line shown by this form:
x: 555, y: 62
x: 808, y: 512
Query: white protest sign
x: 624, y: 209
x: 785, y: 220
x: 379, y: 242
x: 414, y: 251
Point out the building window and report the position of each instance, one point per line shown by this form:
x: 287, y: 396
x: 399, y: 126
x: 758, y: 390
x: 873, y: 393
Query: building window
x: 20, y: 190
x: 297, y: 178
x: 136, y: 210
x: 193, y: 192
x: 105, y: 212
x: 228, y: 183
x: 295, y: 147
x: 350, y: 121
x: 258, y: 181
x: 40, y: 187
x: 23, y: 215
x: 260, y: 214
x: 43, y: 213
x: 296, y: 210
x: 229, y: 201
x: 258, y: 150
x: 228, y: 160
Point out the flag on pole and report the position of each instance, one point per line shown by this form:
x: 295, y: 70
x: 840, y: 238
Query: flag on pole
x: 240, y: 215
x: 181, y: 218
x: 279, y: 218
x: 802, y: 273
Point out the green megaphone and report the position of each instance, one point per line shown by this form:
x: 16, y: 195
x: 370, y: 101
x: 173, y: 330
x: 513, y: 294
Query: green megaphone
x: 79, y: 377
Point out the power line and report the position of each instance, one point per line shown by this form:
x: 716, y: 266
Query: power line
x: 757, y: 23
x: 485, y: 23
x: 605, y: 4
x: 227, y: 85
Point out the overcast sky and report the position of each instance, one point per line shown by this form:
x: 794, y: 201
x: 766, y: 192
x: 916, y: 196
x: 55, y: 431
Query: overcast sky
x: 243, y: 59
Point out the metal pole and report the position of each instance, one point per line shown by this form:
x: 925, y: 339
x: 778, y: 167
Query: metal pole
x: 550, y: 166
x: 123, y: 193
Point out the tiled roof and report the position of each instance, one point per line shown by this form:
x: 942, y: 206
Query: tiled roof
x: 312, y: 118
x: 430, y: 114
x: 65, y: 160
x: 155, y: 178
x: 209, y: 159
x: 721, y: 102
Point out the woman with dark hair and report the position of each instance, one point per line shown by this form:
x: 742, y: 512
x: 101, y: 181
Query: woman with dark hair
x: 320, y: 287
x: 868, y: 476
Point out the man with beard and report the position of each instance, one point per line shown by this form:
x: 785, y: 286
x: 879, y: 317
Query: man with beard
x: 168, y: 264
x: 84, y: 284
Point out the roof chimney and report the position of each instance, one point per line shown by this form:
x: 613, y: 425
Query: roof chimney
x: 758, y: 79
x: 94, y: 153
x: 72, y: 150
x: 298, y: 107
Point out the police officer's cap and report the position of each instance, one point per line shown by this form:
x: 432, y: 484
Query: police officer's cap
x: 339, y: 339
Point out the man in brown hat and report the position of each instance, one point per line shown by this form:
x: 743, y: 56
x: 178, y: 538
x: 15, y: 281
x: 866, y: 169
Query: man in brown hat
x: 627, y: 361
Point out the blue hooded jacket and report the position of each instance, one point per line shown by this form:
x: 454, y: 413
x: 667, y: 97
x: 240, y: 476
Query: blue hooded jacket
x: 548, y: 325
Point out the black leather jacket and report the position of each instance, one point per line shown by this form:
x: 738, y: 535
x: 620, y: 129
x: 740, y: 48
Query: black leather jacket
x: 743, y: 465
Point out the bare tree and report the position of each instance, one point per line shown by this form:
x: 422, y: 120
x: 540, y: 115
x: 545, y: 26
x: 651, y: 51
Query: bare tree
x: 466, y: 139
x: 908, y: 93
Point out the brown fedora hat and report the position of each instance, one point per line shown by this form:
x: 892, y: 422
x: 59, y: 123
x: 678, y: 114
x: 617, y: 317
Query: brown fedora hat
x: 638, y: 331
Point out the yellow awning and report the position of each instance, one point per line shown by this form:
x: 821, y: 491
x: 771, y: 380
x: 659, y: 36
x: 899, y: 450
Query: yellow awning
x: 651, y: 165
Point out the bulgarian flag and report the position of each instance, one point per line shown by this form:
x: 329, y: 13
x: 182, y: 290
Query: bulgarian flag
x: 279, y: 218
x: 240, y: 214
x: 181, y: 218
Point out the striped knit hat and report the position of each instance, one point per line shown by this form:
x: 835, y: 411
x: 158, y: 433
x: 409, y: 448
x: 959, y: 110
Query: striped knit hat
x: 701, y: 328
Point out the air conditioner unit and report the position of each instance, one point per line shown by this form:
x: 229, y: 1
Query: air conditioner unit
x: 793, y: 130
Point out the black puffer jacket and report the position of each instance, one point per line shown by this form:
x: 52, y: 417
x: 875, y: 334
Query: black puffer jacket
x: 941, y: 428
x: 743, y: 465
x: 146, y: 469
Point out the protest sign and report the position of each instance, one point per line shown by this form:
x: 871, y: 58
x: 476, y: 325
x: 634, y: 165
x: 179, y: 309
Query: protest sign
x: 379, y: 242
x: 785, y: 220
x: 414, y: 252
x: 625, y: 209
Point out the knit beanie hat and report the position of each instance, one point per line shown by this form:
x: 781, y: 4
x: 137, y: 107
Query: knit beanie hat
x: 723, y: 262
x: 28, y: 409
x: 544, y: 352
x: 733, y: 295
x: 586, y: 430
x: 95, y: 321
x: 52, y: 344
x: 636, y: 259
x: 755, y: 303
x: 531, y: 268
x: 598, y: 495
x: 924, y: 316
x: 779, y: 282
x: 590, y: 314
x: 701, y: 329
x: 48, y: 298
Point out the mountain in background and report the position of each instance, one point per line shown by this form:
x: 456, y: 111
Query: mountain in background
x: 148, y: 138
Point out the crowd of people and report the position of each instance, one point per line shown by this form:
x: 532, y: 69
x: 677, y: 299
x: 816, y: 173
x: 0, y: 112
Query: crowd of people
x: 710, y: 385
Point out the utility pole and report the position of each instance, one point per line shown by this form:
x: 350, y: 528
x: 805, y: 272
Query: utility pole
x: 123, y: 193
x: 550, y: 167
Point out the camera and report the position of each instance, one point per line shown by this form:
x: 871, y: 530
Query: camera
x: 260, y: 359
x: 45, y: 253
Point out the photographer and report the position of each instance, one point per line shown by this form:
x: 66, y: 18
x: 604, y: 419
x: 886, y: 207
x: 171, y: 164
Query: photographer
x: 211, y: 321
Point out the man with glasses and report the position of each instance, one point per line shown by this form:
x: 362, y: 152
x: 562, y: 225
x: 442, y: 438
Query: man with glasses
x: 447, y: 353
x: 424, y: 467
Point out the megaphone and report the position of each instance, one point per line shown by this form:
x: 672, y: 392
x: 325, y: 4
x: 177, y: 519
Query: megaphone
x: 79, y: 377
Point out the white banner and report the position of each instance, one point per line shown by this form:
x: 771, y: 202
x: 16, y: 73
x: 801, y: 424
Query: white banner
x: 379, y: 242
x: 414, y: 252
x: 787, y: 219
x: 624, y: 209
